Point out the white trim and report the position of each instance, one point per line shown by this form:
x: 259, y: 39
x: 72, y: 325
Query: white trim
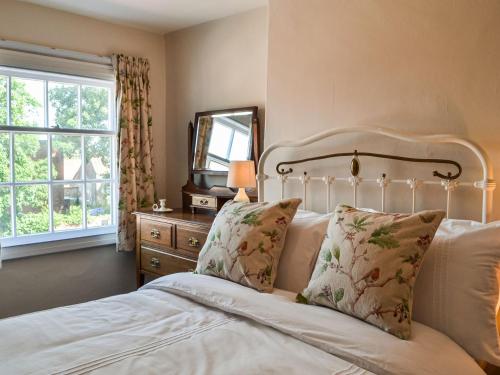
x: 54, y: 52
x: 16, y: 252
x: 31, y: 61
x: 20, y: 72
x: 49, y: 237
x: 487, y: 184
x: 56, y: 182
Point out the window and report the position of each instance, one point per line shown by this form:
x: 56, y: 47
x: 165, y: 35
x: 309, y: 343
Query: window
x: 57, y: 156
x: 229, y: 141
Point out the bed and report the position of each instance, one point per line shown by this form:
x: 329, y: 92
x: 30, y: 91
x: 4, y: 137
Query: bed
x: 185, y: 323
x: 191, y: 323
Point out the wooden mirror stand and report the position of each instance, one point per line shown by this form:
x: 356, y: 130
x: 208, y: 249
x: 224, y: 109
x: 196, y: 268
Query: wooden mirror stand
x: 205, y: 189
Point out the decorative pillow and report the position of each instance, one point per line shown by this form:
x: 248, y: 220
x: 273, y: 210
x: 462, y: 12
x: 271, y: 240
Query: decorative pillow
x: 457, y: 288
x: 302, y: 243
x: 368, y: 264
x: 245, y: 242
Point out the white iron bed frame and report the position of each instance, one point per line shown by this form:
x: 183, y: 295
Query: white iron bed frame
x: 487, y: 184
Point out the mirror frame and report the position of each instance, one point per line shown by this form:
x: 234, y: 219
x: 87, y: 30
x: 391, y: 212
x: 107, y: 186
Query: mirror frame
x: 254, y: 150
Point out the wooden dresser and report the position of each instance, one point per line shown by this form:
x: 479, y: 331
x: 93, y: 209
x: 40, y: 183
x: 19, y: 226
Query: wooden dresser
x: 169, y: 242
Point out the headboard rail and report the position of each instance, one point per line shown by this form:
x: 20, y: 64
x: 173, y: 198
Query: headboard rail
x: 355, y: 162
x: 448, y: 181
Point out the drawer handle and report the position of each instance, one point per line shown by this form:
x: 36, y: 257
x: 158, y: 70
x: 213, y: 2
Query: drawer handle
x: 204, y: 202
x: 155, y: 233
x: 155, y: 262
x: 193, y: 242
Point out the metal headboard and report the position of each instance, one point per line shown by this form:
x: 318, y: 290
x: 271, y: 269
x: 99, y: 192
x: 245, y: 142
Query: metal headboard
x: 448, y: 181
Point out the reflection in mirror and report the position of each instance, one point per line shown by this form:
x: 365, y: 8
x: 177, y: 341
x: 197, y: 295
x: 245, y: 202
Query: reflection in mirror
x: 221, y: 138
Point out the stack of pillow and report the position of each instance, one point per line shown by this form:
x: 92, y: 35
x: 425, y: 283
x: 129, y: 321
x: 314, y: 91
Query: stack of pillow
x: 366, y: 264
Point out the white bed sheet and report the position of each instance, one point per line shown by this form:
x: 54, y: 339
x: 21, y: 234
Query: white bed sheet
x: 195, y: 324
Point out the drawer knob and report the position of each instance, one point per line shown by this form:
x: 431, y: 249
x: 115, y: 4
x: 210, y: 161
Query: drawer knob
x: 193, y: 242
x: 155, y: 233
x: 154, y: 262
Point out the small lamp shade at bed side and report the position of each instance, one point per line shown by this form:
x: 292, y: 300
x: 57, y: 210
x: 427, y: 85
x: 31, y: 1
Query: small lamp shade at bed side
x: 241, y: 175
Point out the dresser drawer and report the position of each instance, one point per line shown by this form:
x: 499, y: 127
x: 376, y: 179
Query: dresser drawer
x: 204, y: 201
x: 190, y: 239
x: 164, y: 263
x: 156, y: 232
x: 169, y: 242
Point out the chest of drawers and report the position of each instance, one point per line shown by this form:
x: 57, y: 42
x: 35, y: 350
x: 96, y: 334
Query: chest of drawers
x: 169, y: 242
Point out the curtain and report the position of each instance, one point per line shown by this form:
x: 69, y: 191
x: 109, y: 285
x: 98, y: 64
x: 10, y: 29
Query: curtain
x: 135, y: 143
x: 205, y: 125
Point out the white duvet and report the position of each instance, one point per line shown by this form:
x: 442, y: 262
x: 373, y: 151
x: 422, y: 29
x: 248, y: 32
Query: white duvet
x: 193, y: 324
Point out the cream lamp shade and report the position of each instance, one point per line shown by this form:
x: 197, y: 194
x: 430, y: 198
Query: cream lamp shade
x: 241, y: 175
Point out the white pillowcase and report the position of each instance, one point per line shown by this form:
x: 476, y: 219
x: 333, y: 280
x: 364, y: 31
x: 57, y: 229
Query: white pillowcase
x: 302, y: 243
x: 457, y: 291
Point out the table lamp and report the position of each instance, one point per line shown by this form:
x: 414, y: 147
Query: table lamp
x: 241, y: 175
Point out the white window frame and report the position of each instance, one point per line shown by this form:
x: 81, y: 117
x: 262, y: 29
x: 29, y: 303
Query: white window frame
x: 52, y: 235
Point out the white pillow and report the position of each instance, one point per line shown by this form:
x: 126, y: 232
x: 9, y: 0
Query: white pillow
x: 457, y: 291
x: 302, y: 243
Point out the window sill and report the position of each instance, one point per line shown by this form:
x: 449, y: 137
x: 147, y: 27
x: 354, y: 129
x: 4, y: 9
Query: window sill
x: 48, y: 243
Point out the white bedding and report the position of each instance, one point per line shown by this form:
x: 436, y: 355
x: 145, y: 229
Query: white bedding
x: 187, y: 323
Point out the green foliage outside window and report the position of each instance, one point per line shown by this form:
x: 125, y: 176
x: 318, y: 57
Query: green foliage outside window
x: 31, y: 158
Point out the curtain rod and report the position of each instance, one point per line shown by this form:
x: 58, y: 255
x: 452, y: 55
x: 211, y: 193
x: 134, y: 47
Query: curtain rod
x: 54, y: 52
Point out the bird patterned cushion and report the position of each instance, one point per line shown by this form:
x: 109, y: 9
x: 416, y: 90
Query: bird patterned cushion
x: 245, y: 242
x: 368, y: 263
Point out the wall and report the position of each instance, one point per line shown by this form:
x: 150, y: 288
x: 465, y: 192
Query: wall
x: 425, y: 66
x: 60, y: 279
x: 47, y: 281
x: 215, y: 65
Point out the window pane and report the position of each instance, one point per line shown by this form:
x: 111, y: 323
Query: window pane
x: 219, y: 141
x: 30, y: 157
x: 98, y: 204
x: 4, y: 157
x: 67, y: 206
x: 97, y: 157
x: 5, y: 217
x: 26, y: 107
x: 3, y: 100
x: 63, y: 105
x: 32, y: 209
x: 214, y: 166
x: 239, y: 148
x: 95, y: 111
x: 66, y: 157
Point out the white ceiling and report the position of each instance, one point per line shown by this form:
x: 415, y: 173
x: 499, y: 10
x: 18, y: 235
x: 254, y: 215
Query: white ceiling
x: 159, y: 16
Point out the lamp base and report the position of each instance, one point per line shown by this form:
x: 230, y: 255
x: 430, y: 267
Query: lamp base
x: 241, y: 196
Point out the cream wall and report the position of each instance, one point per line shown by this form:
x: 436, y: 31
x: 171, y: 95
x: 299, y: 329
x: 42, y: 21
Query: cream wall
x: 44, y: 26
x: 47, y: 281
x: 426, y: 66
x: 215, y: 65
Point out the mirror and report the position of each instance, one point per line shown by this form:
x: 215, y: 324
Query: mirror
x: 223, y: 136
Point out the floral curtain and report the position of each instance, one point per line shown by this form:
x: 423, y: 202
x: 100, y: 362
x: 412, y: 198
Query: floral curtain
x: 205, y: 125
x: 135, y: 143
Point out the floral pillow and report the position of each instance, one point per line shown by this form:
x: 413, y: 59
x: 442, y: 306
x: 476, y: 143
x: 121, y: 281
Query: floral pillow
x: 368, y: 263
x: 245, y: 242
